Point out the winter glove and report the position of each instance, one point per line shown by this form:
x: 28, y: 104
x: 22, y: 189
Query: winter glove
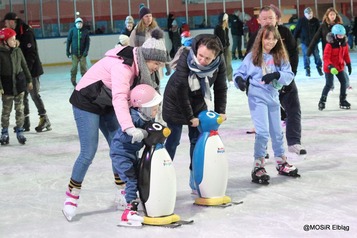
x: 168, y: 69
x: 240, y: 83
x: 138, y: 134
x: 332, y: 69
x: 270, y: 77
x: 29, y: 86
x: 349, y: 69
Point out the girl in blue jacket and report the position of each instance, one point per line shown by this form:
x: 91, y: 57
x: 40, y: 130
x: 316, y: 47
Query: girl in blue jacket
x: 266, y: 69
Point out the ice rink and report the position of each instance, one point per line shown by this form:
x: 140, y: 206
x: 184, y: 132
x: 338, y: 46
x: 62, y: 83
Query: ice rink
x: 322, y: 203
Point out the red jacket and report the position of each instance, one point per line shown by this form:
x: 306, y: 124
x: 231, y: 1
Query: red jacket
x: 336, y: 54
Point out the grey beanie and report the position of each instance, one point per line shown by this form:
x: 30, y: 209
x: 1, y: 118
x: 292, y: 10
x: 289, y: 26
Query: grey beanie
x: 154, y: 48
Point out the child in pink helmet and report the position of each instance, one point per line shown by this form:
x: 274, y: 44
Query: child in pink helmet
x: 124, y: 149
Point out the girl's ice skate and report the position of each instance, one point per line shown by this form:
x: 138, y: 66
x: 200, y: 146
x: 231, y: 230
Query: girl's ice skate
x: 260, y: 176
x: 286, y: 169
x: 130, y: 216
x: 70, y: 204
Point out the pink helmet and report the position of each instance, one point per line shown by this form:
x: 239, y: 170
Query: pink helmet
x: 6, y: 33
x: 185, y: 34
x: 144, y: 95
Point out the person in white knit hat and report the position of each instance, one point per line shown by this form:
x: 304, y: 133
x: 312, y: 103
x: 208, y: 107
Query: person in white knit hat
x: 123, y: 40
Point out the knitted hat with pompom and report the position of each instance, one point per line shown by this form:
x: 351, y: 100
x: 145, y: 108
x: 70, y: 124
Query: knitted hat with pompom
x: 143, y: 10
x: 154, y: 48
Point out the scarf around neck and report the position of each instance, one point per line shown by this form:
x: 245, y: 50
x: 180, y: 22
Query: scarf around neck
x: 145, y: 76
x: 199, y: 75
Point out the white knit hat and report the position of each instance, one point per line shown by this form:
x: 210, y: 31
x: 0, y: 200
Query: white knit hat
x: 123, y: 40
x: 78, y: 19
x: 154, y: 48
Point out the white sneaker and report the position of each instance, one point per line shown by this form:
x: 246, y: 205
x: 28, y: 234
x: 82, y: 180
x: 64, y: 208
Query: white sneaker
x: 70, y: 204
x: 297, y: 149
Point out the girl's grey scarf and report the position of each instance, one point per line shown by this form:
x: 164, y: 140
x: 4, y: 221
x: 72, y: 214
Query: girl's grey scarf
x: 144, y: 73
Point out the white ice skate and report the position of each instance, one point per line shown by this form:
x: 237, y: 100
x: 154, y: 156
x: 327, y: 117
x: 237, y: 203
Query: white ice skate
x: 131, y: 217
x: 70, y: 204
x: 286, y: 169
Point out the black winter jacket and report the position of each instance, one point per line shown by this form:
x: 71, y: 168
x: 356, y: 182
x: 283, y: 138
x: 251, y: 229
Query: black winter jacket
x: 236, y: 25
x: 14, y: 74
x: 306, y: 29
x: 28, y: 45
x: 321, y: 34
x: 180, y: 104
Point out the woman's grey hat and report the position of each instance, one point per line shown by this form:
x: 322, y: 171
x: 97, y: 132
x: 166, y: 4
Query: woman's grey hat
x: 154, y: 48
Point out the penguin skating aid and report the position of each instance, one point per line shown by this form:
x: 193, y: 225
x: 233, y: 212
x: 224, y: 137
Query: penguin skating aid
x: 209, y: 165
x: 157, y: 180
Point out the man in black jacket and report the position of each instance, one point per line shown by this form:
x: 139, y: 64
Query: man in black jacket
x: 288, y: 96
x: 28, y: 45
x: 306, y: 28
x: 237, y: 33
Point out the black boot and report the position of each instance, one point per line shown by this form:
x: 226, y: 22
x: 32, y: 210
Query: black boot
x: 322, y: 102
x: 308, y: 72
x: 343, y: 102
x: 43, y: 124
x: 73, y: 81
x: 319, y: 70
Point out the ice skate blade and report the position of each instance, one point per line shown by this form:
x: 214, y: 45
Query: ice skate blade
x: 260, y: 181
x: 344, y: 107
x: 293, y: 175
x: 133, y: 224
x: 69, y: 218
x: 43, y: 129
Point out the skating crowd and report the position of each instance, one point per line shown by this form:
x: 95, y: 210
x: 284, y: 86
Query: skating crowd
x: 120, y: 93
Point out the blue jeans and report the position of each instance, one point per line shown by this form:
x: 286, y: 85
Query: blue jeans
x: 237, y: 45
x: 88, y: 126
x: 174, y: 139
x: 306, y: 58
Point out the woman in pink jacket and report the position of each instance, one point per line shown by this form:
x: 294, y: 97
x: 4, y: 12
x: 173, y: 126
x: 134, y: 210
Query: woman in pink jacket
x: 100, y: 102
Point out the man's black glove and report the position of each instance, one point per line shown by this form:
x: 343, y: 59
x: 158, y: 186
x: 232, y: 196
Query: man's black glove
x: 270, y: 77
x: 349, y: 69
x: 240, y: 83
